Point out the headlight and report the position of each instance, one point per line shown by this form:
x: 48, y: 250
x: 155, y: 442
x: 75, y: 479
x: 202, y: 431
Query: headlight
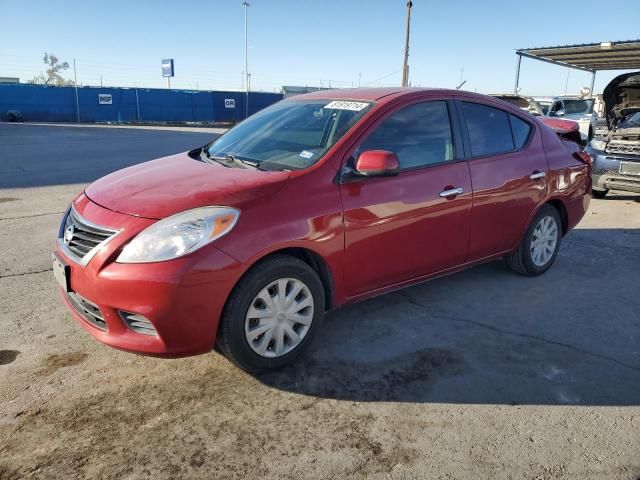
x: 179, y: 234
x: 598, y: 144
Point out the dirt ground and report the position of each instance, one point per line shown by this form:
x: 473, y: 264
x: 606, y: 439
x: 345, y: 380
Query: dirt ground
x: 483, y: 374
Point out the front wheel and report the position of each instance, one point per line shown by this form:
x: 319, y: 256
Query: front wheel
x: 272, y: 314
x: 540, y: 245
x: 599, y: 194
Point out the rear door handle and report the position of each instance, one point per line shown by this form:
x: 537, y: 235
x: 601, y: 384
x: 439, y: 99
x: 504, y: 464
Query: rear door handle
x: 452, y: 192
x: 537, y: 175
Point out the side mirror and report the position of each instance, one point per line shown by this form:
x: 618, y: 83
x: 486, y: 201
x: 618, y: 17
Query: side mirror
x: 559, y: 113
x: 377, y: 163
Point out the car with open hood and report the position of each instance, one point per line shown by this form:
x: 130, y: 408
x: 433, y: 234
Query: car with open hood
x: 616, y: 156
x: 317, y: 201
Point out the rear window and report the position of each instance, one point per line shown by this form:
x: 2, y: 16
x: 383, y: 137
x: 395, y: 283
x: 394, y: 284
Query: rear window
x: 489, y: 130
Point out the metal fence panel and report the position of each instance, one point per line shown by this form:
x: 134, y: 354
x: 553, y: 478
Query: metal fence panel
x: 110, y: 104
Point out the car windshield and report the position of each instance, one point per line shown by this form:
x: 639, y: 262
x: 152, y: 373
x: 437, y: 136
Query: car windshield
x: 583, y: 106
x: 289, y: 135
x: 632, y: 121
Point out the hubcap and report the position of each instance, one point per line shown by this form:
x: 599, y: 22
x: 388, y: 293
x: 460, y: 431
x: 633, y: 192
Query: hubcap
x: 543, y: 241
x: 279, y: 317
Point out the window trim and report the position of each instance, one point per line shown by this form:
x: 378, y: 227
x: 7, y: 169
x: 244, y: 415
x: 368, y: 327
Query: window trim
x: 454, y: 126
x: 527, y: 141
x: 465, y: 131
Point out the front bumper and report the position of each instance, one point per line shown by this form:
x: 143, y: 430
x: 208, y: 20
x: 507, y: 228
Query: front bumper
x: 606, y: 172
x: 182, y: 298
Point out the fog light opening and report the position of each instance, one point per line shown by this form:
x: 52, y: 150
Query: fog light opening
x: 137, y: 323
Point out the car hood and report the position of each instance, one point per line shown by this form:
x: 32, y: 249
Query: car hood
x: 621, y: 97
x: 169, y: 185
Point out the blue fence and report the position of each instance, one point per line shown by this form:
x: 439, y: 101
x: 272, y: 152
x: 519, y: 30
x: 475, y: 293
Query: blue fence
x: 58, y: 104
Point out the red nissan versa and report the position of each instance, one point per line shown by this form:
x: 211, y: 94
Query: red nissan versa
x: 317, y: 201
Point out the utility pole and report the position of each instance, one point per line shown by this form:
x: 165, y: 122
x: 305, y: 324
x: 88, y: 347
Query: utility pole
x: 246, y: 6
x: 405, y: 67
x: 75, y: 85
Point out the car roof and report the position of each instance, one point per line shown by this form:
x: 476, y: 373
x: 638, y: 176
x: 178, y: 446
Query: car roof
x: 386, y: 95
x: 367, y: 94
x: 509, y: 95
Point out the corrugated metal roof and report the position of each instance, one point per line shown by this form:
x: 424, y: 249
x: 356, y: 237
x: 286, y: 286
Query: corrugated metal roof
x: 623, y: 55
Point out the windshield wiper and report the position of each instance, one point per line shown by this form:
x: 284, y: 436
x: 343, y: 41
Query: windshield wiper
x: 229, y: 160
x: 204, y: 155
x: 241, y: 161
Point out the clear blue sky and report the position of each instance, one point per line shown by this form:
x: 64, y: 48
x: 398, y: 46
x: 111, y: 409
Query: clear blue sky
x: 306, y: 42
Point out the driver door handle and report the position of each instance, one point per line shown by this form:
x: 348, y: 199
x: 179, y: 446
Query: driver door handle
x: 537, y: 175
x: 452, y: 192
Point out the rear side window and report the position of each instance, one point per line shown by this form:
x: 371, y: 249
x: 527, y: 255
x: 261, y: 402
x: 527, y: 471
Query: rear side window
x: 419, y: 135
x: 521, y: 131
x: 489, y: 130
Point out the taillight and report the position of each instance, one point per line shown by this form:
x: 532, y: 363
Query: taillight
x: 584, y: 157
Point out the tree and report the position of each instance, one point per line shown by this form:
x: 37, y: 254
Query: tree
x: 52, y: 75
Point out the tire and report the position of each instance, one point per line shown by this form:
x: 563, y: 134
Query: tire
x: 590, y: 136
x: 522, y: 260
x: 599, y: 194
x: 237, y: 336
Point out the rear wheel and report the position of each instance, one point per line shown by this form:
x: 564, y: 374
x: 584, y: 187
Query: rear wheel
x: 272, y: 314
x: 540, y: 245
x: 599, y: 194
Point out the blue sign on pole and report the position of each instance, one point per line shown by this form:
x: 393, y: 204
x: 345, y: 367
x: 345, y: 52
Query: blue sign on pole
x: 167, y: 67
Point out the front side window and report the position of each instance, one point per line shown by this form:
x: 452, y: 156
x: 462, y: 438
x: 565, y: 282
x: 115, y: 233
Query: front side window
x: 419, y: 135
x: 488, y: 128
x: 289, y: 135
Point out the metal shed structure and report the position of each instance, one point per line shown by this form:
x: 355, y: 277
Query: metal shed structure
x: 588, y: 57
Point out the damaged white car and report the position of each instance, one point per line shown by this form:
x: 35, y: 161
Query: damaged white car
x: 578, y: 109
x: 616, y: 157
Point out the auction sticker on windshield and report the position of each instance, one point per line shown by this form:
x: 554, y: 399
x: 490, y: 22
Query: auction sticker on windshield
x: 342, y: 105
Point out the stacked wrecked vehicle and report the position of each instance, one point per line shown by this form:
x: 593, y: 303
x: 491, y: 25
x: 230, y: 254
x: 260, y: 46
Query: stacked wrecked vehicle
x: 616, y: 156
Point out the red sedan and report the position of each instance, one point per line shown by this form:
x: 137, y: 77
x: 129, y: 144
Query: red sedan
x: 315, y: 202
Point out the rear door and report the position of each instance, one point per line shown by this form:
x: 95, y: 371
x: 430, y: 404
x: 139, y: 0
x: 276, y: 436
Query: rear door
x: 509, y: 176
x: 402, y: 227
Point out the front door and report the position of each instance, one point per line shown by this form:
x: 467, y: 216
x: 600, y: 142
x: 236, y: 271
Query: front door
x: 413, y: 224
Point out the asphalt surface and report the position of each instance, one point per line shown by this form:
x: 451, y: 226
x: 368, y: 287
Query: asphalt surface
x: 32, y: 158
x: 482, y: 374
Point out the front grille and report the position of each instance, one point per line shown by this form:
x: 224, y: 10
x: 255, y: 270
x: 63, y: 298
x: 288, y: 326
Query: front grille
x: 81, y: 237
x: 138, y: 323
x: 624, y: 147
x: 90, y: 312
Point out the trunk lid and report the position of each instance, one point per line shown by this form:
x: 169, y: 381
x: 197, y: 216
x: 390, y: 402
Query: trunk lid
x: 565, y: 129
